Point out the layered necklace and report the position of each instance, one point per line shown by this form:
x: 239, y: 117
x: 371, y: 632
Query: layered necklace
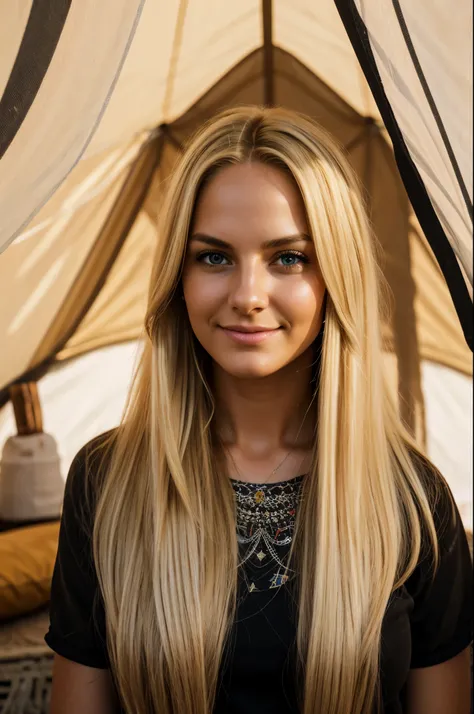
x: 266, y: 516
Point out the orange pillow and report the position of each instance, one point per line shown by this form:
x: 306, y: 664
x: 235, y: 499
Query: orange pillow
x: 27, y: 557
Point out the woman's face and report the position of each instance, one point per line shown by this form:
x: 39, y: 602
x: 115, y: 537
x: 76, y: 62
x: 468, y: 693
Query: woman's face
x: 251, y: 282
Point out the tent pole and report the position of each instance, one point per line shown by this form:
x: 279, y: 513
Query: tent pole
x: 268, y: 76
x: 167, y: 134
x: 27, y: 408
x: 175, y: 53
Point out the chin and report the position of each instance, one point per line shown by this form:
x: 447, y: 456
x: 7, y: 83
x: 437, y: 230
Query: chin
x: 248, y: 369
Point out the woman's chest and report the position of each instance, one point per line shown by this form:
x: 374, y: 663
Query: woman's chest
x: 261, y: 649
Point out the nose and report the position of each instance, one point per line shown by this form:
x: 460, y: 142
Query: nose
x: 249, y: 290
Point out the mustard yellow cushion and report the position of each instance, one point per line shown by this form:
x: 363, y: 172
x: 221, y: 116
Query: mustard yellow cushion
x: 27, y: 558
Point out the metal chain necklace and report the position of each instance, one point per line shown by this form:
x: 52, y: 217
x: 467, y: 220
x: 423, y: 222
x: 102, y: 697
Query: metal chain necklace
x: 277, y: 468
x: 259, y: 493
x: 266, y: 515
x: 265, y: 532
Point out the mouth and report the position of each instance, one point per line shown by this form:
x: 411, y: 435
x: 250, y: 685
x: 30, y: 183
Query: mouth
x: 250, y: 336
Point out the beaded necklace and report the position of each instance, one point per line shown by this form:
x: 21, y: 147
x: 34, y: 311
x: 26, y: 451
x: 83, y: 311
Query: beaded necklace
x: 266, y: 515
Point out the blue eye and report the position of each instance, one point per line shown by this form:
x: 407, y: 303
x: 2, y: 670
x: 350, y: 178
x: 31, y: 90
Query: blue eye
x: 211, y: 258
x: 290, y: 259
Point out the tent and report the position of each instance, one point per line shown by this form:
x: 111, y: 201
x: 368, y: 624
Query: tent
x: 97, y: 100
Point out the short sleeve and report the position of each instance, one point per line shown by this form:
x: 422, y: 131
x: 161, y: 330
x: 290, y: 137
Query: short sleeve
x: 441, y: 621
x: 77, y: 622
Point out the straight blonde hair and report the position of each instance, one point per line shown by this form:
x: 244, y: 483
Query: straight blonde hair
x: 165, y: 509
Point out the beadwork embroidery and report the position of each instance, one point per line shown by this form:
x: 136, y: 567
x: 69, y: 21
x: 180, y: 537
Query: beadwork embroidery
x: 266, y: 516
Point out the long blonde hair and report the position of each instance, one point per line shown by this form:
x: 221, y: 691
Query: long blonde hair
x: 165, y: 509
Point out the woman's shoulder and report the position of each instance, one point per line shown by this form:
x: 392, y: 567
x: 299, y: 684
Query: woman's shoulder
x: 440, y: 498
x: 92, y: 453
x: 85, y: 476
x: 441, y: 619
x: 453, y: 549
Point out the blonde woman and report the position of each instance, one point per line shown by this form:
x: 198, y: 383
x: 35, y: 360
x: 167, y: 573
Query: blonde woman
x: 260, y: 535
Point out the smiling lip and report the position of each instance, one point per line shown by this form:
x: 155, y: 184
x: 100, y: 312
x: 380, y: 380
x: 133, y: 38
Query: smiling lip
x: 249, y: 335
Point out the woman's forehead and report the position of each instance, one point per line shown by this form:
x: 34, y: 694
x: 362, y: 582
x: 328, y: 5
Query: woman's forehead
x: 250, y: 199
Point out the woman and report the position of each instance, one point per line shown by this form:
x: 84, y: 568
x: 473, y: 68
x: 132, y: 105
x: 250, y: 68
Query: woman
x: 261, y: 534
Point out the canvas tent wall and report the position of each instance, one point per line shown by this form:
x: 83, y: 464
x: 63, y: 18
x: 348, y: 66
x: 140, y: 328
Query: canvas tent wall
x: 97, y: 103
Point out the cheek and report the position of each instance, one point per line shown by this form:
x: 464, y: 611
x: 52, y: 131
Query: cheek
x: 302, y: 302
x: 203, y: 293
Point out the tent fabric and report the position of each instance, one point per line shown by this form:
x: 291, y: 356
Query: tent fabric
x: 54, y: 95
x: 438, y: 80
x: 103, y: 255
x: 418, y: 60
x: 49, y: 259
x: 123, y: 84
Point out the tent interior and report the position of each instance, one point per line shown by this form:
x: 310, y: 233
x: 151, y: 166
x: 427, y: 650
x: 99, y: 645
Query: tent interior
x: 81, y: 185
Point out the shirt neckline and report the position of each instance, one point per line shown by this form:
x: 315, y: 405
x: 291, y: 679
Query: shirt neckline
x: 252, y: 484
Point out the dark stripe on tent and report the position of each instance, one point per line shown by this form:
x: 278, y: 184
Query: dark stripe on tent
x: 412, y: 180
x: 43, y: 30
x: 91, y: 132
x: 432, y: 104
x: 168, y: 134
x: 268, y: 74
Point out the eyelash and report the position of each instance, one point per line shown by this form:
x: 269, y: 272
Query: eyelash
x: 304, y: 259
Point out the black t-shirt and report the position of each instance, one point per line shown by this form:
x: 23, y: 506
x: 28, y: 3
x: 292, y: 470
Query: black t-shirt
x: 425, y: 624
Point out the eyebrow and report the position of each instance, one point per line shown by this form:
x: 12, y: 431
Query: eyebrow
x: 274, y: 243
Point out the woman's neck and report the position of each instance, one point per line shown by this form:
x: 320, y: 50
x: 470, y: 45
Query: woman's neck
x: 260, y: 416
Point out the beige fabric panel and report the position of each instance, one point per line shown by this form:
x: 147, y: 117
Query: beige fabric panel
x: 295, y: 87
x: 230, y: 32
x: 411, y: 405
x: 440, y: 336
x: 180, y: 50
x: 243, y: 85
x: 118, y: 313
x: 66, y: 108
x: 439, y: 329
x: 91, y: 178
x: 149, y: 93
x: 424, y: 324
x: 102, y: 256
x: 388, y: 209
x: 11, y: 33
x: 313, y: 32
x: 37, y: 271
x: 435, y: 30
x: 449, y: 429
x: 152, y: 203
